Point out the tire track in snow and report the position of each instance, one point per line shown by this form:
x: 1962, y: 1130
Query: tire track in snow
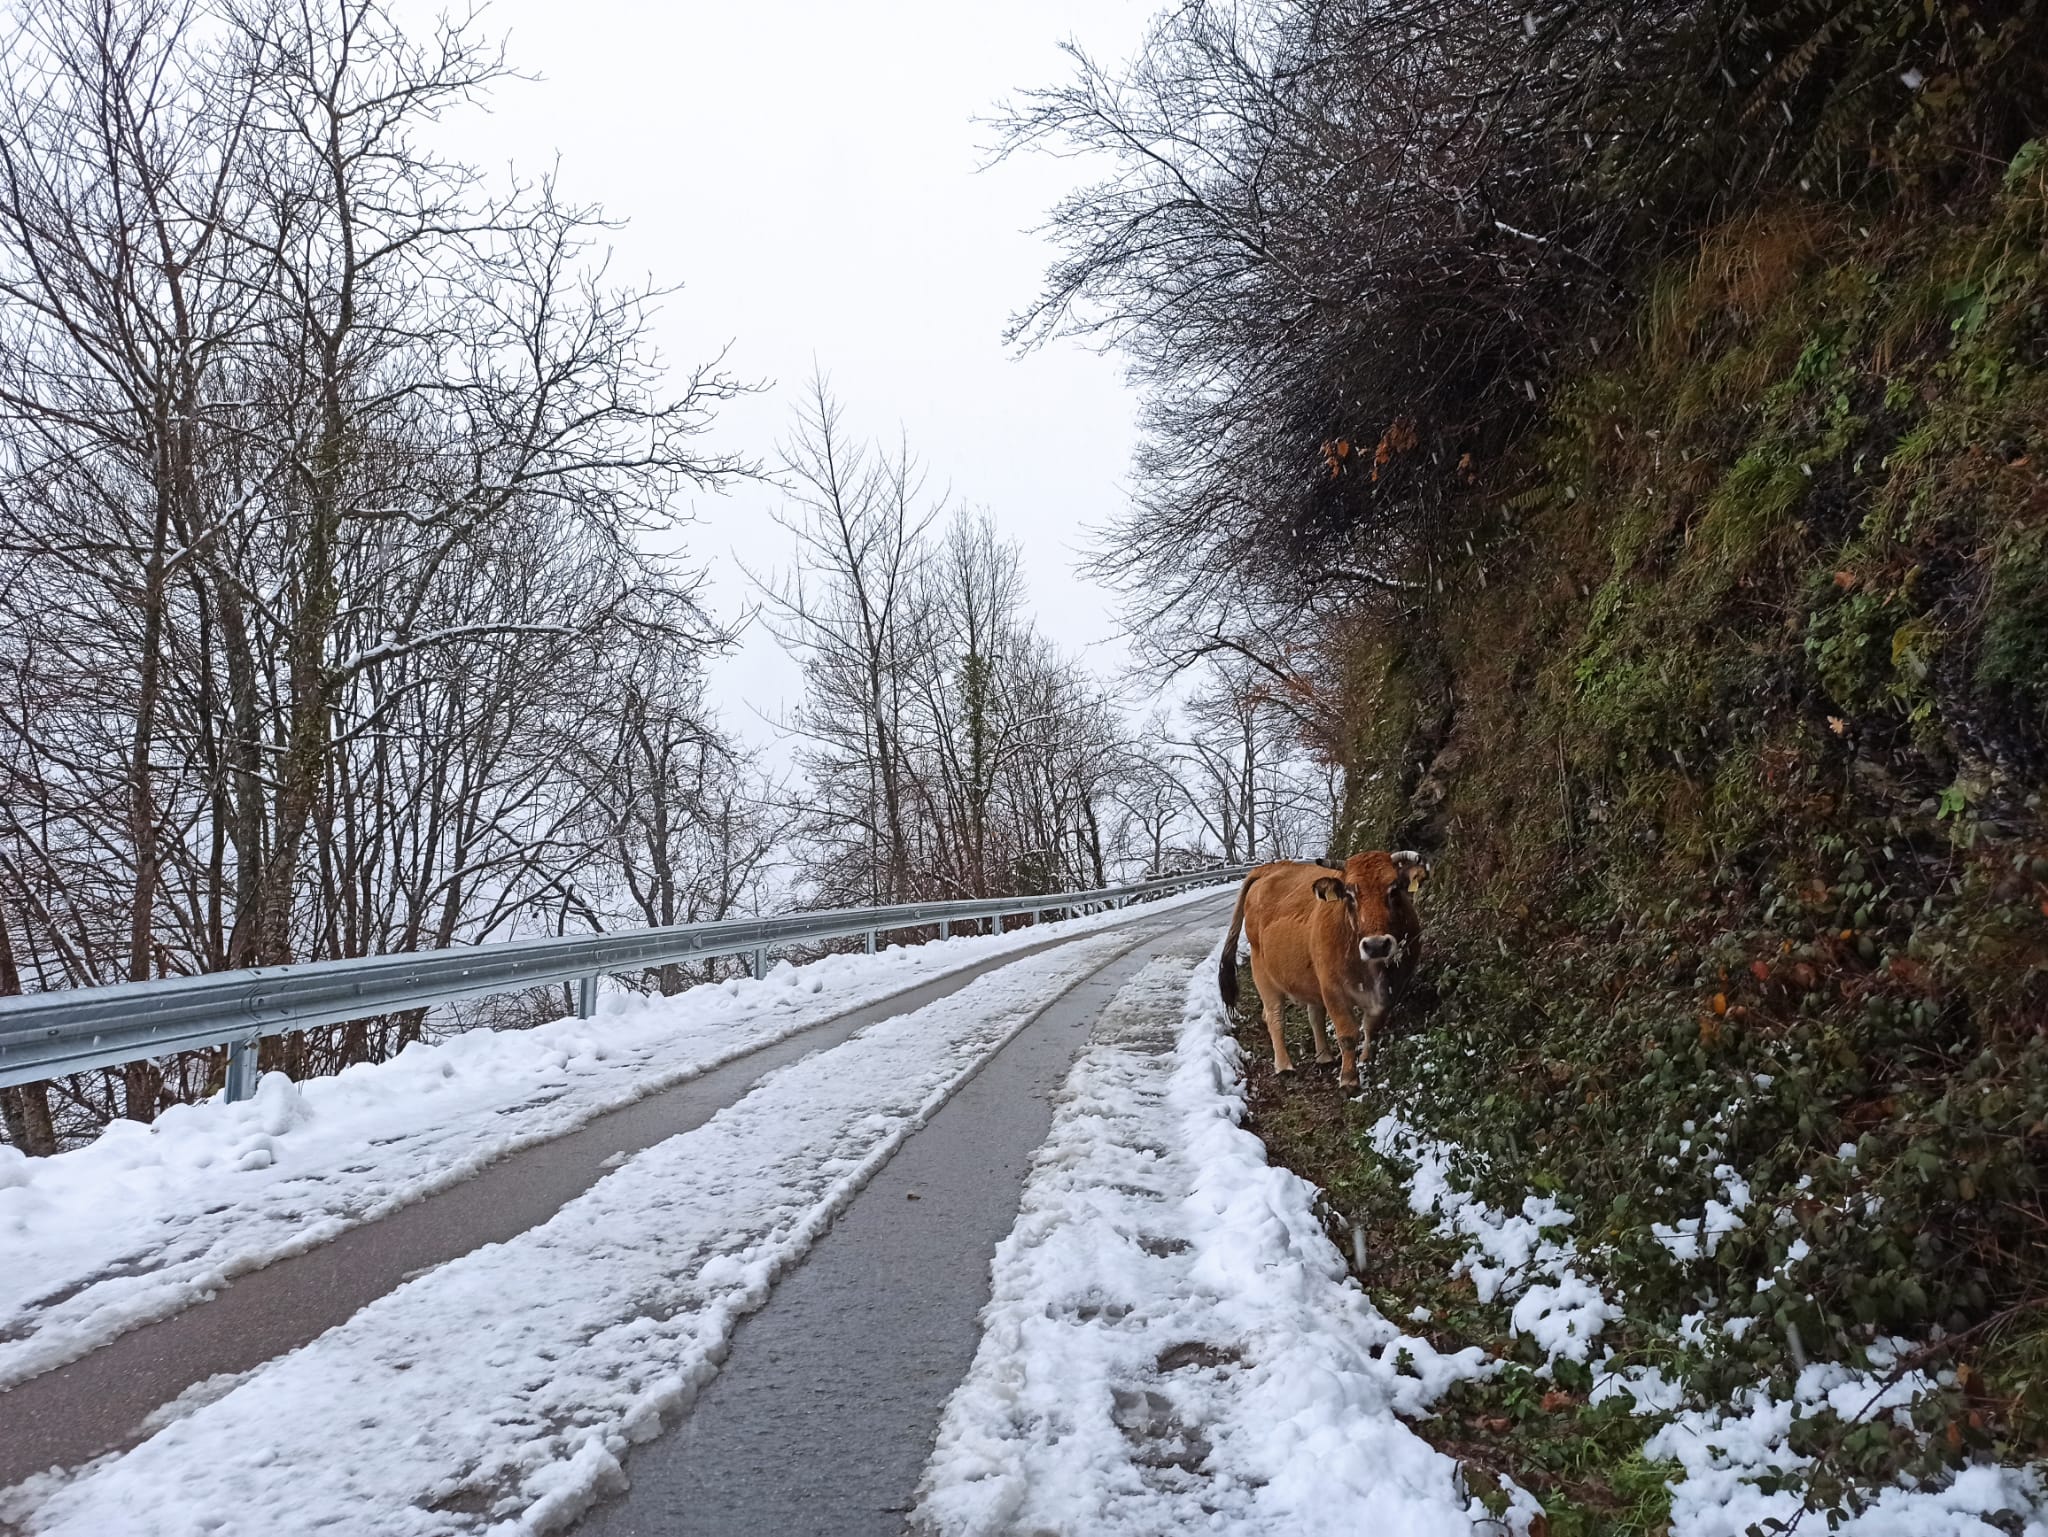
x: 1173, y: 1344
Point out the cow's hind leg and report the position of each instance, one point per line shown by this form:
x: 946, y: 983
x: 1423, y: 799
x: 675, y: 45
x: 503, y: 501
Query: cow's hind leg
x: 1318, y: 1019
x: 1275, y: 1004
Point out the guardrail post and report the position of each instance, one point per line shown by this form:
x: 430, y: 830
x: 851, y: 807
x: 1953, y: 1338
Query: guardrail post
x: 241, y: 1074
x: 945, y: 928
x: 871, y: 941
x: 760, y: 962
x: 586, y: 997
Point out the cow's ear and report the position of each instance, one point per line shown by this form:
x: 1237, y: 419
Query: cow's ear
x: 1413, y: 868
x: 1329, y: 888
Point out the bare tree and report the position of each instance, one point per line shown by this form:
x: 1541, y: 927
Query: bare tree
x: 852, y: 609
x: 1344, y: 244
x: 1251, y: 791
x: 951, y: 750
x: 972, y: 601
x: 322, y: 465
x: 690, y: 827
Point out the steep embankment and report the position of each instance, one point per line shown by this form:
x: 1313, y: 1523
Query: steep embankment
x: 1730, y: 745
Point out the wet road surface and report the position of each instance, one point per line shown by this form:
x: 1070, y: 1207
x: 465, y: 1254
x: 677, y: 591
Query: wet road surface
x: 101, y: 1402
x: 823, y: 1414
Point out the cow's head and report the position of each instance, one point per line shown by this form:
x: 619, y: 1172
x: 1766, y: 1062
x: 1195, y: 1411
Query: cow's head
x: 1365, y: 912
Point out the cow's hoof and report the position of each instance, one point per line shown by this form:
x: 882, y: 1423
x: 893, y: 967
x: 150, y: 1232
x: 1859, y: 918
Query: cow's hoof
x: 1326, y: 1061
x: 1283, y: 1072
x: 1348, y: 1085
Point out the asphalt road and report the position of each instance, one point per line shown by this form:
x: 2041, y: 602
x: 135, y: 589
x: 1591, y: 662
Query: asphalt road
x: 100, y: 1403
x: 823, y: 1414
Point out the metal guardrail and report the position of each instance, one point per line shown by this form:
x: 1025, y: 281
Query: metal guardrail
x: 45, y: 1035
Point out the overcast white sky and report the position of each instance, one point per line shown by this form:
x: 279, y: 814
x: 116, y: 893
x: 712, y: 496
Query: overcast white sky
x: 809, y: 171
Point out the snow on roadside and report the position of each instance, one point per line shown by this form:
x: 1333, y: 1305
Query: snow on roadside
x: 1506, y: 1255
x: 1728, y: 1459
x: 149, y: 1219
x: 603, y: 1321
x: 1172, y: 1343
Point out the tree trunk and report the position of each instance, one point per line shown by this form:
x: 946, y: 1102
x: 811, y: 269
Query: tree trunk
x: 1094, y: 841
x: 142, y: 1081
x: 25, y: 1109
x: 244, y: 802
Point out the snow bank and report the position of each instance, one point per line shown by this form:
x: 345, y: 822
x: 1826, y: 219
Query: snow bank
x: 1723, y: 1453
x: 1724, y: 1484
x: 411, y: 1420
x: 1172, y: 1343
x: 1506, y: 1256
x: 149, y: 1219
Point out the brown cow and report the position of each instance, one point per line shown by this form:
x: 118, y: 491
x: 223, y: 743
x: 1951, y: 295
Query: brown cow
x: 1327, y: 942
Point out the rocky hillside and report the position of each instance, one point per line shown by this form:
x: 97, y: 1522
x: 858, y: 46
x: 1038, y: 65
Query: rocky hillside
x: 1729, y: 739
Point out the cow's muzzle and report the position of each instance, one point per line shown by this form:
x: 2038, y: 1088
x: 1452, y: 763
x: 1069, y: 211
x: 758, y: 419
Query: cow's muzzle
x: 1377, y: 947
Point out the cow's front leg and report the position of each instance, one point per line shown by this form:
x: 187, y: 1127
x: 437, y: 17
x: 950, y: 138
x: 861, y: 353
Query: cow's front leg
x: 1339, y: 1010
x: 1276, y: 1027
x: 1368, y: 1019
x: 1318, y: 1020
x: 1372, y: 1008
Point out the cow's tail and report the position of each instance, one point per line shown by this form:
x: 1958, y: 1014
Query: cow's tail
x: 1226, y: 965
